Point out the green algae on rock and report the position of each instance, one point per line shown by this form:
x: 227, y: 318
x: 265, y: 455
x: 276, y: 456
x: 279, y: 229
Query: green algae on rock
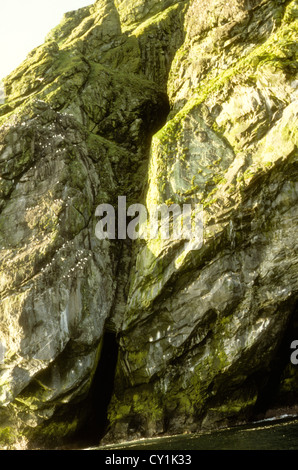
x: 172, y: 101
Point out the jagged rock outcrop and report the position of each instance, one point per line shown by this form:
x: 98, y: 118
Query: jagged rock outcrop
x: 172, y: 101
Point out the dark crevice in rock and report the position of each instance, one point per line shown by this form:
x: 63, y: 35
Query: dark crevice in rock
x: 272, y: 395
x: 154, y: 117
x: 100, y: 393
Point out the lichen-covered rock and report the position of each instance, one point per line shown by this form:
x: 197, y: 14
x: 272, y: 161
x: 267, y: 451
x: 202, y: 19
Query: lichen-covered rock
x: 204, y: 329
x: 203, y: 332
x: 75, y: 132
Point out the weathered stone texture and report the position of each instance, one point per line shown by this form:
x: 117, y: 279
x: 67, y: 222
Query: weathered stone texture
x: 172, y: 101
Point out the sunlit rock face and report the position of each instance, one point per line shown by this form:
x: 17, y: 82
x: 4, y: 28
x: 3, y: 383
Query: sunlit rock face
x: 185, y: 102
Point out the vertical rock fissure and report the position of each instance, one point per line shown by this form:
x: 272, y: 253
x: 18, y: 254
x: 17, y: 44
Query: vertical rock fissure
x: 275, y: 392
x: 100, y: 393
x: 103, y: 382
x: 96, y: 423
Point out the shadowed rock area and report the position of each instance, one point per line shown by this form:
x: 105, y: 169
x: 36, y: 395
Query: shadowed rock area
x: 185, y: 102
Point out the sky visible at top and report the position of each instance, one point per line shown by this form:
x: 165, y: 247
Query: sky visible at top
x: 24, y: 25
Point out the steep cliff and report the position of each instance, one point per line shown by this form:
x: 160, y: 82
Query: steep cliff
x: 159, y: 101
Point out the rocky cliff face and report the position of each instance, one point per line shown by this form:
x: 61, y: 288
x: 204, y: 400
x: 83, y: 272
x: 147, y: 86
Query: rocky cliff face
x: 169, y: 101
